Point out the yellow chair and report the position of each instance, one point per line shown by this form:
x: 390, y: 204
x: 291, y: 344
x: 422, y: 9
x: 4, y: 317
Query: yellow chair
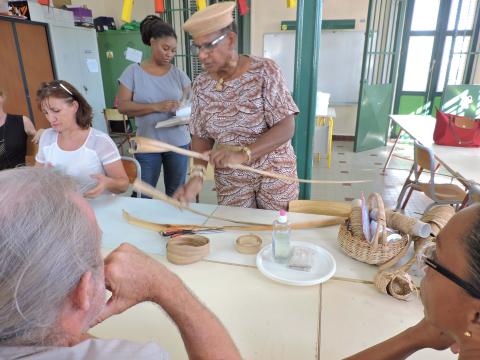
x: 320, y: 207
x: 32, y: 150
x: 424, y: 159
x: 118, y: 126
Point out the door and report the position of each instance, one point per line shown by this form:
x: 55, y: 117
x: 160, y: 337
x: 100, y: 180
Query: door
x: 439, y: 49
x: 77, y: 61
x: 92, y: 85
x: 37, y: 63
x: 11, y: 74
x: 379, y: 72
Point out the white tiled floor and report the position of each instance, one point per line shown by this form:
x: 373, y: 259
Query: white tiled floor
x: 348, y: 165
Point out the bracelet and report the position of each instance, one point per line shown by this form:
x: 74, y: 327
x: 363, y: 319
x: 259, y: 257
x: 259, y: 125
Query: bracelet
x: 247, y: 151
x: 199, y: 171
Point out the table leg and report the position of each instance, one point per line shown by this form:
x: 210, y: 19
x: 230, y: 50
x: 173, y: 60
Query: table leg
x: 391, y: 152
x: 330, y: 140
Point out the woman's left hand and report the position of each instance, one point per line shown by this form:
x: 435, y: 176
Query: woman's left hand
x: 432, y: 337
x: 222, y: 158
x: 102, y: 185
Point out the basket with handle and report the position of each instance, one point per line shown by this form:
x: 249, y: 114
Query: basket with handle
x: 353, y: 242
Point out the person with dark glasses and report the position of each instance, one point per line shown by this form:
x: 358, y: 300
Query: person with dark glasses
x: 450, y: 293
x: 73, y: 146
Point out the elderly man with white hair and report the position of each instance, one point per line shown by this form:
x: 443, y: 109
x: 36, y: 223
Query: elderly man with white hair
x: 53, y: 280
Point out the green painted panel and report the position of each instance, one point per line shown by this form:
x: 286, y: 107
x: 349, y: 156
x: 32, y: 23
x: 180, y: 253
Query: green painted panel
x: 376, y: 103
x: 341, y: 24
x: 411, y: 104
x: 414, y: 104
x: 437, y: 103
x: 462, y: 100
x: 117, y: 43
x: 307, y: 52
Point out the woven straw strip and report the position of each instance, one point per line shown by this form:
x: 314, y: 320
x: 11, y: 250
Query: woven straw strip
x: 397, y: 284
x: 248, y: 244
x: 141, y: 145
x: 187, y: 249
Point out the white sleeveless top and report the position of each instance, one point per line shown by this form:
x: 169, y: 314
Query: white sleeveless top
x: 97, y: 151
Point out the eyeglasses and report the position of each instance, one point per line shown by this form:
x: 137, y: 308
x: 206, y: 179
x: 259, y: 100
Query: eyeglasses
x: 195, y: 49
x: 427, y: 258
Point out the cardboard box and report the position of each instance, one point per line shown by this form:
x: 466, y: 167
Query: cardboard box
x: 61, y: 3
x: 81, y: 15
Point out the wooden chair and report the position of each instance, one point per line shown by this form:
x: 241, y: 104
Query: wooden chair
x: 118, y: 126
x: 320, y: 207
x: 133, y: 170
x: 424, y: 159
x: 32, y: 150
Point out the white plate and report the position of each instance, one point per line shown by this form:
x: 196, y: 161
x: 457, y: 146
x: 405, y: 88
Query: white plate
x: 324, y: 266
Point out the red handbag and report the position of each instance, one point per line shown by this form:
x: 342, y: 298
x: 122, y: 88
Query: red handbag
x: 454, y: 130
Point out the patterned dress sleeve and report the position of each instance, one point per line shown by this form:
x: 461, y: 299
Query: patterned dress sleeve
x: 277, y: 98
x: 197, y: 125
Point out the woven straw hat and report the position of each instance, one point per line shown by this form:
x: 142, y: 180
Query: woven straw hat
x: 213, y: 18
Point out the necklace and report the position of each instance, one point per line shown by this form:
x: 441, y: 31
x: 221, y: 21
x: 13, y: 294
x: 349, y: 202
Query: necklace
x: 3, y: 148
x: 219, y: 86
x: 221, y: 82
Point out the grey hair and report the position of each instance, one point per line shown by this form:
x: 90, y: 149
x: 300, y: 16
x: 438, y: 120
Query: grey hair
x: 46, y: 244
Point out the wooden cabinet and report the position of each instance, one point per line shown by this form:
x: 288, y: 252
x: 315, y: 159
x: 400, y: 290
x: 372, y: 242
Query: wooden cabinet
x: 25, y: 62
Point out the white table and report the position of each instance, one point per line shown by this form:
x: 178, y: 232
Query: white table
x: 461, y: 162
x: 267, y: 320
x: 116, y: 230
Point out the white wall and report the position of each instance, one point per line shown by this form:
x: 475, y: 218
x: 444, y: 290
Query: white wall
x: 267, y: 16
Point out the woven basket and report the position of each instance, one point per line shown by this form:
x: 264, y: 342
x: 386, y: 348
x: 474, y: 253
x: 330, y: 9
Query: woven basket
x: 438, y: 216
x: 354, y: 244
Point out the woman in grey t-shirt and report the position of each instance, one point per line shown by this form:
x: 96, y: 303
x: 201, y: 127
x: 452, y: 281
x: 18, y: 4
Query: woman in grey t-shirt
x: 151, y: 91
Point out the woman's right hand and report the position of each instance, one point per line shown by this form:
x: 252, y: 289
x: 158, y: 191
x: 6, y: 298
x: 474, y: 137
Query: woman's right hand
x: 166, y: 106
x: 189, y: 191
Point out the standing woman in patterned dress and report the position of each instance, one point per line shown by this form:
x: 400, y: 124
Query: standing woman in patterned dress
x: 242, y: 113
